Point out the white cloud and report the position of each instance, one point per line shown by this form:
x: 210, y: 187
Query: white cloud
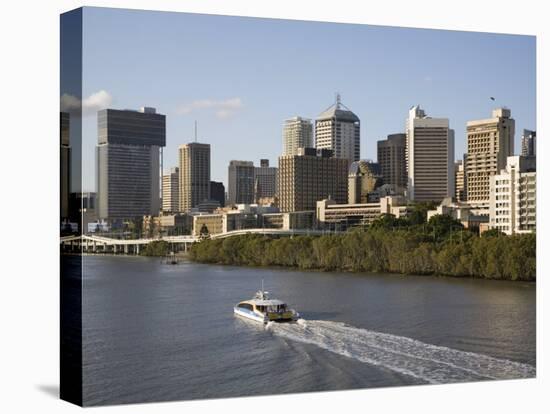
x: 90, y: 105
x: 223, y: 108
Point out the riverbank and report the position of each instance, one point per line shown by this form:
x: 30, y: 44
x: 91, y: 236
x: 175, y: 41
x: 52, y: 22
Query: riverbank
x: 463, y: 254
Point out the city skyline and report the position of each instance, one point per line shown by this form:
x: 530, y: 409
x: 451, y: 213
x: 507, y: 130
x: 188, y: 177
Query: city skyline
x: 245, y: 101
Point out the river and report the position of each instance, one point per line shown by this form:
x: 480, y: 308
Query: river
x: 156, y: 332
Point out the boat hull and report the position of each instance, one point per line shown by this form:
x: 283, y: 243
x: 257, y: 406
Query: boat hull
x: 271, y: 317
x: 245, y: 313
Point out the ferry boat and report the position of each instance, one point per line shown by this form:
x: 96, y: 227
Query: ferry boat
x: 263, y: 309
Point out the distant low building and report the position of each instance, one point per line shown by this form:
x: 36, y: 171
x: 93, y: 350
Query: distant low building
x: 251, y: 216
x: 151, y: 227
x: 463, y: 212
x: 335, y: 216
x: 208, y: 223
x: 296, y: 220
x: 176, y: 224
x: 98, y: 226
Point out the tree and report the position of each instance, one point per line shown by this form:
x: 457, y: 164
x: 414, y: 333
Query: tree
x: 441, y: 226
x: 385, y: 221
x: 492, y: 233
x: 420, y: 212
x: 449, y: 250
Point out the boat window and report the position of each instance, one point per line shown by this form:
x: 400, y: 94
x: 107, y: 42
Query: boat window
x: 245, y: 306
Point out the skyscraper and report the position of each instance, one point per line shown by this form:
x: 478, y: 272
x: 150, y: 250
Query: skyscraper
x: 297, y: 133
x: 171, y: 191
x: 460, y: 181
x: 529, y: 143
x: 490, y: 143
x: 310, y: 176
x: 363, y: 178
x: 128, y: 162
x: 217, y: 192
x: 513, y: 199
x: 430, y: 157
x: 65, y: 159
x: 392, y: 160
x: 194, y: 166
x: 240, y: 182
x: 265, y: 180
x: 337, y: 129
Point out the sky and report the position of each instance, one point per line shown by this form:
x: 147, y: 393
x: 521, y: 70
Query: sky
x: 240, y: 78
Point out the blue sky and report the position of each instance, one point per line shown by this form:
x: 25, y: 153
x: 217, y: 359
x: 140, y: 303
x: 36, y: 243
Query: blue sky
x: 241, y: 77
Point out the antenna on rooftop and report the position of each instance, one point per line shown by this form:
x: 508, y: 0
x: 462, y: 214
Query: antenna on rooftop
x: 338, y: 100
x: 195, y: 130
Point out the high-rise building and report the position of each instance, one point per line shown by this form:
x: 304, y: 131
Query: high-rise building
x: 217, y: 192
x: 297, y: 133
x: 490, y: 143
x: 240, y: 182
x: 265, y: 180
x: 513, y: 198
x: 310, y: 176
x: 460, y: 181
x: 171, y: 191
x: 430, y: 157
x: 392, y: 160
x: 363, y: 178
x: 337, y: 129
x: 65, y: 167
x: 194, y: 180
x: 529, y: 143
x: 128, y: 162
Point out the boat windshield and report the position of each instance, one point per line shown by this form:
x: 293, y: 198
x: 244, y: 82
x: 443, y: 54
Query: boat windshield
x: 276, y: 308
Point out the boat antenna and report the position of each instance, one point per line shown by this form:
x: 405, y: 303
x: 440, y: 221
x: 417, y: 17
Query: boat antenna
x: 262, y: 285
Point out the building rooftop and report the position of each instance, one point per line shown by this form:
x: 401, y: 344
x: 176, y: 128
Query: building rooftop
x: 339, y: 111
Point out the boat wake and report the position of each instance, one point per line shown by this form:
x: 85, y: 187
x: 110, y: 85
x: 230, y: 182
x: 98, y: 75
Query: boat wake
x: 430, y: 363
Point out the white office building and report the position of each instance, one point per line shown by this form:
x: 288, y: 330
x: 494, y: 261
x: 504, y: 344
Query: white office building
x: 297, y: 133
x: 337, y: 129
x: 513, y: 196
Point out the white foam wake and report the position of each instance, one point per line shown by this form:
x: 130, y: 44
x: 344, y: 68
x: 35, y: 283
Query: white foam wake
x: 430, y: 363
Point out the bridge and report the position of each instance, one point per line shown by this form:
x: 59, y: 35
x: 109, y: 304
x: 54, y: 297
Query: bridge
x: 88, y: 243
x: 98, y: 244
x: 272, y: 232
